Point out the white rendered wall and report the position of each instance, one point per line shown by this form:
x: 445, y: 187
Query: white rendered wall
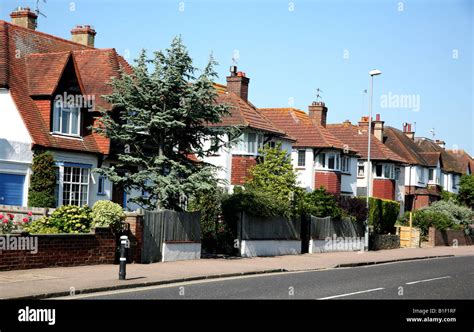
x: 180, y: 251
x: 254, y: 248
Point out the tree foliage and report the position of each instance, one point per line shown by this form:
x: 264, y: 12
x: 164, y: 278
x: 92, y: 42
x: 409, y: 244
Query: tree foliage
x: 42, y: 181
x: 274, y: 174
x: 163, y: 115
x: 466, y: 190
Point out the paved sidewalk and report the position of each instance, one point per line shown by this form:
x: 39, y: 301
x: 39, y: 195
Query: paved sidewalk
x: 53, y: 282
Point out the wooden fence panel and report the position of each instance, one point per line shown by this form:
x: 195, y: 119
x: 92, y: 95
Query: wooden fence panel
x: 167, y: 225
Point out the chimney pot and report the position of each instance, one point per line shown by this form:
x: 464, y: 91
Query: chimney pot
x: 24, y: 17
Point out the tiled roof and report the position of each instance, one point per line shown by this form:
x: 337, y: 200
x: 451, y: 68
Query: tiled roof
x: 37, y: 71
x: 402, y: 145
x: 356, y: 138
x: 448, y: 162
x: 463, y: 158
x: 43, y: 72
x: 244, y: 114
x: 297, y: 124
x: 431, y: 158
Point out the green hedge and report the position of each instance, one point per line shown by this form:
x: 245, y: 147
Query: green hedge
x: 383, y: 214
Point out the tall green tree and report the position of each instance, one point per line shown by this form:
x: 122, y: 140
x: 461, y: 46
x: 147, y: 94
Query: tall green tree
x: 165, y: 113
x: 42, y: 181
x: 466, y: 190
x: 274, y: 174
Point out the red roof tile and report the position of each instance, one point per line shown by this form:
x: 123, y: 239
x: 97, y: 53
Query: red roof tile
x: 244, y: 114
x: 297, y: 124
x: 357, y: 139
x: 31, y: 64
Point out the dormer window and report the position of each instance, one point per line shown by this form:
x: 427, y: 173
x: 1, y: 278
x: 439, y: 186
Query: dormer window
x: 66, y: 120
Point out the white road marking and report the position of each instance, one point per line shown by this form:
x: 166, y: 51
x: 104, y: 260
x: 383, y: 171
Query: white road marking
x: 349, y: 294
x: 426, y: 280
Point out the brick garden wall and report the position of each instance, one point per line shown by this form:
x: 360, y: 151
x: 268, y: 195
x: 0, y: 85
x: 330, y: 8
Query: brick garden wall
x: 54, y: 250
x: 449, y: 238
x: 135, y: 235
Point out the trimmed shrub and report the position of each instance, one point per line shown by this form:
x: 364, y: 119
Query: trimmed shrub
x: 42, y: 181
x: 72, y: 219
x: 107, y: 214
x: 41, y: 226
x: 383, y: 214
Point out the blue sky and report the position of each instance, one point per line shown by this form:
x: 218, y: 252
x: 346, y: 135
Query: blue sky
x: 290, y: 48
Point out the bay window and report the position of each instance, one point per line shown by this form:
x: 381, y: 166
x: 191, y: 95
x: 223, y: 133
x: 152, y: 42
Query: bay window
x: 385, y: 171
x: 66, y: 120
x: 250, y: 143
x: 329, y: 161
x: 346, y: 164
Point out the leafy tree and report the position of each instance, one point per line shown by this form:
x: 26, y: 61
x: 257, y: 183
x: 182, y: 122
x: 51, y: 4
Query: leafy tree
x: 164, y: 114
x: 42, y: 181
x: 274, y: 174
x: 320, y: 203
x: 466, y: 190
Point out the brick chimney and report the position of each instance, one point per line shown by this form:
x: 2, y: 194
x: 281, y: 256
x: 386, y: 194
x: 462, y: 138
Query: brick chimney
x: 83, y: 34
x: 441, y: 143
x: 378, y: 128
x: 364, y: 124
x: 24, y: 17
x: 318, y: 113
x: 407, y: 130
x: 238, y: 83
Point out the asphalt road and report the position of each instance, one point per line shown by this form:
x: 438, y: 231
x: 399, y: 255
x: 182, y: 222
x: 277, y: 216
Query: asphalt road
x: 442, y: 278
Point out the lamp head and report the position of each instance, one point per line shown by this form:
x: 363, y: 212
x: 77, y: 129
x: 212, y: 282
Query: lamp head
x: 375, y: 72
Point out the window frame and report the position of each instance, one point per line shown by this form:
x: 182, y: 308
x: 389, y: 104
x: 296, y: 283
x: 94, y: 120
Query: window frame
x: 61, y: 182
x: 301, y: 160
x: 57, y: 125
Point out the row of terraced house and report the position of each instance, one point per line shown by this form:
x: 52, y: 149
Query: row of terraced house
x: 35, y: 67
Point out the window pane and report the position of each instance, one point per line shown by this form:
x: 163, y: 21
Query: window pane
x: 322, y: 160
x: 387, y: 171
x: 378, y: 170
x: 251, y: 141
x: 331, y: 162
x: 65, y: 114
x: 301, y: 157
x: 56, y: 119
x: 75, y: 121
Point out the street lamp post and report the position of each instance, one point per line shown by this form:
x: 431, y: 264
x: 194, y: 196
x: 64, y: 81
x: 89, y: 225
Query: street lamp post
x: 372, y: 73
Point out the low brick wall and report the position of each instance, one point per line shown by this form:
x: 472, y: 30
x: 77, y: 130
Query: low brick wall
x: 449, y: 238
x: 135, y: 235
x: 384, y: 241
x: 55, y: 250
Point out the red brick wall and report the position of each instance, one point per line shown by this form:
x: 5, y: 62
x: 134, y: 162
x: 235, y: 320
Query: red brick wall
x: 449, y: 238
x: 240, y: 169
x: 384, y: 188
x: 421, y: 201
x: 135, y: 222
x: 331, y: 181
x: 63, y: 250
